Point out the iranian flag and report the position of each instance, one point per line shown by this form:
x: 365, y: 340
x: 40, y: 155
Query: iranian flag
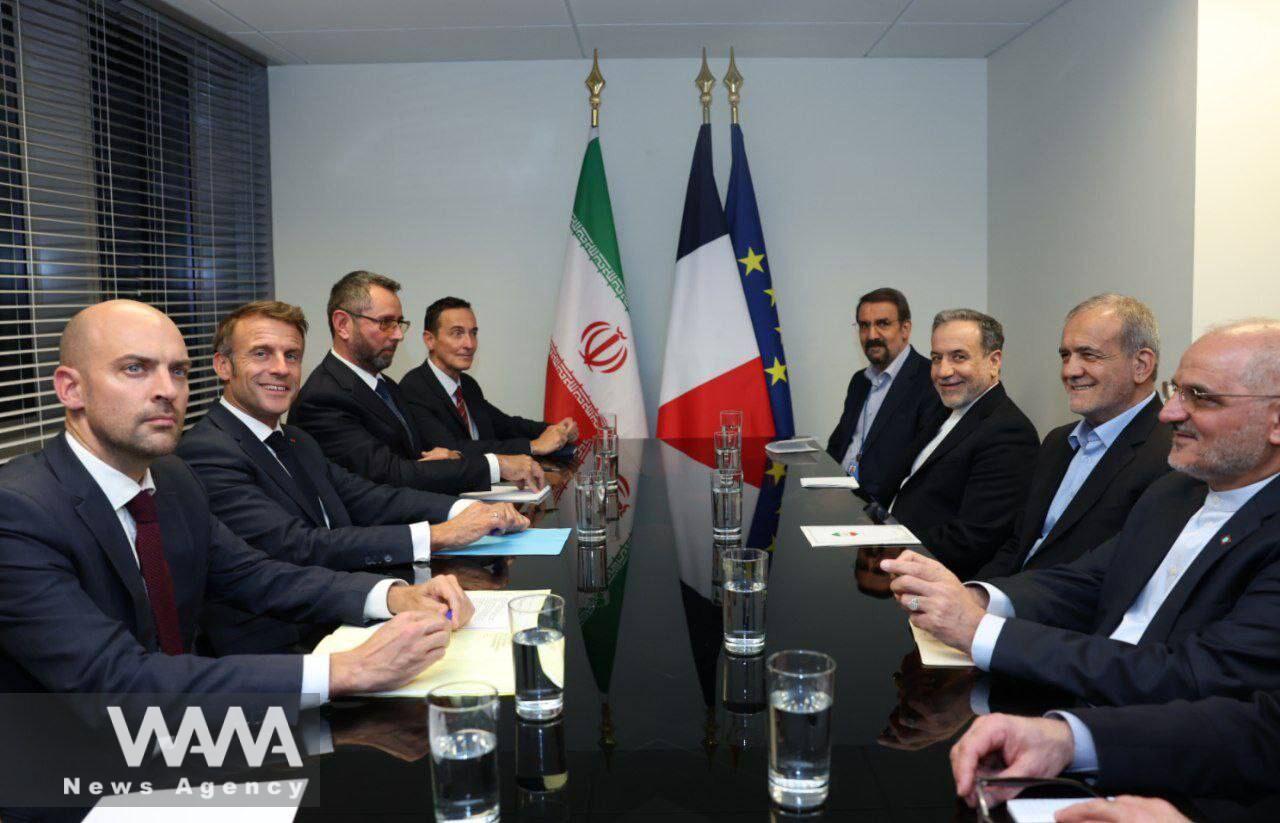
x: 591, y: 368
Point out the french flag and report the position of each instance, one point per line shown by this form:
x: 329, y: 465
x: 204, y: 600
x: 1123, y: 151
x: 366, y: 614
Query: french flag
x: 712, y: 362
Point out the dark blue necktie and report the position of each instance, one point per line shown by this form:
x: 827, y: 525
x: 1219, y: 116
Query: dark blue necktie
x: 385, y: 393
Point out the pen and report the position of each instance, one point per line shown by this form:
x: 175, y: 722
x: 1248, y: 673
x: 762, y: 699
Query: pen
x: 448, y: 615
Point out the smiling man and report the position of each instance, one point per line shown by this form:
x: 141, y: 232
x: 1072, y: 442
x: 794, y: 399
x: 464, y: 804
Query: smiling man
x: 965, y: 476
x: 1089, y: 474
x: 1185, y: 601
x: 272, y: 485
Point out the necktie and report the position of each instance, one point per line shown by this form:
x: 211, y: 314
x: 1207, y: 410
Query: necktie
x: 462, y: 409
x: 155, y: 572
x: 280, y: 445
x: 385, y: 393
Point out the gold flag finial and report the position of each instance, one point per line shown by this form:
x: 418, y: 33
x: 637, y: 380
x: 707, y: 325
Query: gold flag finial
x: 733, y: 81
x: 595, y: 85
x: 705, y: 81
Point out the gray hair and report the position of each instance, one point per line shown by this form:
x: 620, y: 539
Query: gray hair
x: 1262, y: 372
x: 992, y: 331
x: 1138, y: 329
x: 351, y: 293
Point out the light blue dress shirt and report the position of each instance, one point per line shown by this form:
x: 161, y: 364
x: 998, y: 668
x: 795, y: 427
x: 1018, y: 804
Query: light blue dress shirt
x: 1090, y: 444
x: 880, y: 382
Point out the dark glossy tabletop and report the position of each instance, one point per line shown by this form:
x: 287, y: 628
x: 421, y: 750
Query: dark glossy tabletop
x: 646, y: 730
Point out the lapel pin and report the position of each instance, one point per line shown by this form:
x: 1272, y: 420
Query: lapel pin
x: 1226, y: 538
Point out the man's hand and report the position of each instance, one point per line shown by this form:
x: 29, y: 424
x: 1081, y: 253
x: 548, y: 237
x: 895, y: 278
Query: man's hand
x: 570, y: 427
x: 476, y: 521
x: 522, y: 469
x: 551, y: 440
x: 936, y: 599
x: 1019, y: 747
x: 439, y: 595
x: 400, y: 650
x: 1124, y: 809
x: 440, y: 453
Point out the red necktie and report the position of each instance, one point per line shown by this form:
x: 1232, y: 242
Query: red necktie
x: 462, y: 409
x: 155, y: 572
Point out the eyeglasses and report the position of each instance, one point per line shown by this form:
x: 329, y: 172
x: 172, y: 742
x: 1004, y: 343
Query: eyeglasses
x: 986, y: 801
x: 1193, y: 398
x: 386, y: 324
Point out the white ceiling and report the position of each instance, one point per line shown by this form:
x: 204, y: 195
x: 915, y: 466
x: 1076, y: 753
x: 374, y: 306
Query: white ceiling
x: 390, y: 31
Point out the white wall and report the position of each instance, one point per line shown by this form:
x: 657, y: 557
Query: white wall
x: 1092, y: 157
x: 457, y: 178
x: 1237, y: 233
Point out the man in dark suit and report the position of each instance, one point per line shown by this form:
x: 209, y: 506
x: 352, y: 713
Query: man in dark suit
x: 889, y: 401
x: 964, y: 478
x: 358, y: 415
x: 1089, y: 474
x: 447, y: 404
x: 108, y: 550
x: 1185, y: 601
x: 1216, y: 747
x: 273, y: 486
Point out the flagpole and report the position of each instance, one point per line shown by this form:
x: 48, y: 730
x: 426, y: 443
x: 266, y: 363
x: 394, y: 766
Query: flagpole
x: 595, y: 85
x: 705, y: 81
x: 733, y: 82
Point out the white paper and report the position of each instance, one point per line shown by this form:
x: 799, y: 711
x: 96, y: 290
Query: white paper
x: 936, y: 654
x: 509, y: 494
x: 829, y: 536
x: 1040, y: 809
x: 842, y: 482
x: 491, y: 609
x: 793, y: 446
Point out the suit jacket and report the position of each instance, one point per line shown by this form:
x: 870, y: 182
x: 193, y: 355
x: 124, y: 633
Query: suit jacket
x: 910, y: 404
x: 255, y: 497
x: 1137, y: 458
x: 1217, y: 633
x: 357, y: 431
x: 1207, y: 748
x: 963, y: 500
x: 439, y: 423
x: 74, y: 614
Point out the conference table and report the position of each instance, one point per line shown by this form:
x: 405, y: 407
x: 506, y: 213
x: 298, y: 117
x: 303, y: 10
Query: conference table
x: 659, y: 721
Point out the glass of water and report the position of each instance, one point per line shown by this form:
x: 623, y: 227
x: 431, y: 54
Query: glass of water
x: 607, y: 458
x: 745, y: 587
x: 731, y: 419
x: 801, y: 689
x: 726, y: 505
x: 589, y: 496
x: 609, y: 422
x: 537, y: 648
x: 728, y: 450
x: 462, y: 720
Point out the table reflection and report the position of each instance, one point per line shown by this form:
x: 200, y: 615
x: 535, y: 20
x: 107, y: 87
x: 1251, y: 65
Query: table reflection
x: 933, y: 705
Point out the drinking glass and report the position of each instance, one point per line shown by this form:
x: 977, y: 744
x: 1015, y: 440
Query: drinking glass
x: 462, y: 720
x: 593, y: 568
x: 589, y: 494
x: 731, y: 419
x: 542, y: 770
x: 607, y: 458
x: 745, y: 587
x: 726, y: 504
x: 728, y: 447
x: 537, y: 648
x: 609, y: 422
x: 801, y: 691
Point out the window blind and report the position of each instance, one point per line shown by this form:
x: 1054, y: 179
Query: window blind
x: 133, y: 163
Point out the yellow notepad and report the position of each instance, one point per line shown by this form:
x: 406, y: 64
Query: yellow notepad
x: 933, y: 652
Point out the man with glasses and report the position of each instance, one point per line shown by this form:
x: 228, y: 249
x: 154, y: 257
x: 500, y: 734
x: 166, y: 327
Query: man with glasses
x: 1185, y: 601
x: 357, y: 414
x: 889, y: 401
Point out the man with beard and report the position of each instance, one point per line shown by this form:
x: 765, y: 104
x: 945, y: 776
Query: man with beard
x: 889, y: 401
x: 358, y: 415
x: 1185, y: 601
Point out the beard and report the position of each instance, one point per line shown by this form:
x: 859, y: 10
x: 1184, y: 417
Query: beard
x: 1234, y: 453
x: 370, y: 358
x: 136, y: 442
x: 876, y: 351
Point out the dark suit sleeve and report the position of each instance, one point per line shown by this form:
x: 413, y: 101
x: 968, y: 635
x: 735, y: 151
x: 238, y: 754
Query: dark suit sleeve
x: 838, y: 442
x: 513, y: 433
x: 373, y: 504
x: 1067, y: 595
x: 1214, y: 747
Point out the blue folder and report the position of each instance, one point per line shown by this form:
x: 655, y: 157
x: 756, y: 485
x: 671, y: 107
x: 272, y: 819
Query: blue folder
x: 544, y: 542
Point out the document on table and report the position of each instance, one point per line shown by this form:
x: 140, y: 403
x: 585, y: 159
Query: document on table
x: 828, y: 536
x: 479, y: 651
x: 936, y: 654
x: 510, y: 494
x: 1040, y: 809
x: 844, y: 481
x: 545, y: 542
x: 795, y: 445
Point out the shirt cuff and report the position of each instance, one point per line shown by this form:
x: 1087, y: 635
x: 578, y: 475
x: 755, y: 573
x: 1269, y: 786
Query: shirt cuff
x: 459, y: 507
x: 420, y: 534
x: 1084, y: 757
x: 495, y: 473
x: 375, y: 603
x: 315, y: 681
x: 984, y: 640
x: 998, y: 603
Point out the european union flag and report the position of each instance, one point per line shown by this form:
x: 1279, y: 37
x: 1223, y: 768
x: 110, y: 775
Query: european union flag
x: 753, y: 264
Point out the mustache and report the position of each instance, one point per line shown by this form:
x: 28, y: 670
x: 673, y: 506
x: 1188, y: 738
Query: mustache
x: 1184, y: 426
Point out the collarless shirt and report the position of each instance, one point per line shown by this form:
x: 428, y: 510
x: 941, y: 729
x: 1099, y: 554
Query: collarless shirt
x: 451, y: 387
x: 945, y: 429
x: 880, y: 380
x: 1090, y: 444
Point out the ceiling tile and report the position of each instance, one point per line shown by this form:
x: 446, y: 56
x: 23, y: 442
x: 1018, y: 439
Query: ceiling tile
x: 775, y: 40
x: 979, y: 11
x: 264, y: 48
x: 930, y: 40
x: 207, y: 13
x: 307, y: 15
x: 734, y: 12
x: 422, y: 45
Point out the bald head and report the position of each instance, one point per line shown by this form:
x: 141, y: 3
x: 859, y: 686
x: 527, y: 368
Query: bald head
x: 1258, y: 341
x: 83, y: 333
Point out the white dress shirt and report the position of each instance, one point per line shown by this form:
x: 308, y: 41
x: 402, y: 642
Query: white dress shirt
x: 880, y: 380
x: 945, y: 429
x: 371, y: 380
x: 451, y: 388
x: 119, y: 489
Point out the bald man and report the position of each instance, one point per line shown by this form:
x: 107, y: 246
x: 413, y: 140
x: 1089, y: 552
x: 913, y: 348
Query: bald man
x: 108, y: 551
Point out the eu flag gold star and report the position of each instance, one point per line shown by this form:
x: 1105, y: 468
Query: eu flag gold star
x: 752, y: 261
x: 773, y: 301
x: 777, y: 471
x: 777, y: 371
